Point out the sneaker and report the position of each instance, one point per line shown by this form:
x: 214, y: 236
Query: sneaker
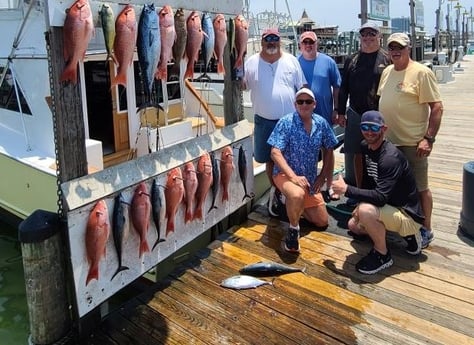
x: 291, y: 241
x: 427, y: 237
x: 413, y: 243
x: 273, y: 201
x: 374, y: 262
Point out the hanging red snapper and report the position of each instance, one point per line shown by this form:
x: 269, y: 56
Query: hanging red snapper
x: 194, y: 41
x: 140, y: 214
x: 190, y: 187
x: 227, y: 167
x: 241, y: 38
x: 204, y: 171
x: 220, y: 32
x: 174, y: 193
x: 168, y: 37
x: 124, y: 43
x: 97, y: 234
x: 77, y: 32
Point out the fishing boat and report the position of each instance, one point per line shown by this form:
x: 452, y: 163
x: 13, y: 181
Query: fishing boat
x: 119, y: 124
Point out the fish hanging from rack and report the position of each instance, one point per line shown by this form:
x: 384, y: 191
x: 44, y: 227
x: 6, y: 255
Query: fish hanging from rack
x: 107, y: 21
x: 124, y: 43
x: 243, y: 171
x: 220, y: 41
x: 179, y: 46
x: 190, y: 187
x: 140, y: 213
x: 168, y: 37
x: 156, y: 206
x: 119, y: 229
x: 97, y: 235
x: 215, y: 181
x: 174, y: 194
x: 204, y: 171
x: 208, y: 41
x: 193, y: 42
x: 77, y: 32
x: 227, y: 167
x: 241, y: 39
x: 148, y: 47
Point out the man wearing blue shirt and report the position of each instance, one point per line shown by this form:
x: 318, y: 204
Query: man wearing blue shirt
x: 296, y: 142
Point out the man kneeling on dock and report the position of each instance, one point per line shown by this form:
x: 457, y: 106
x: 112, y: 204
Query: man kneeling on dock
x: 296, y: 141
x: 388, y: 198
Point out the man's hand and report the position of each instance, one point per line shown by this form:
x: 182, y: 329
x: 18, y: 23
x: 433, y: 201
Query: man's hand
x: 339, y: 185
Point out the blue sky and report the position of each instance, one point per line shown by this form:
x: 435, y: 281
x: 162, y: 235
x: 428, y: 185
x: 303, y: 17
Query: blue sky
x: 344, y: 13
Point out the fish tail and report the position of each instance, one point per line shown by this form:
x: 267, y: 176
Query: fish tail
x: 161, y: 73
x: 220, y: 68
x: 120, y: 79
x: 189, y: 70
x: 143, y: 247
x: 169, y: 226
x: 198, y: 213
x: 188, y: 216
x: 158, y: 240
x: 120, y: 269
x: 225, y: 196
x: 93, y: 274
x: 69, y: 74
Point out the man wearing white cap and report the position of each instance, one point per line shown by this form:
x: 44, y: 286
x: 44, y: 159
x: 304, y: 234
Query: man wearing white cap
x: 411, y: 103
x: 296, y: 142
x: 388, y: 197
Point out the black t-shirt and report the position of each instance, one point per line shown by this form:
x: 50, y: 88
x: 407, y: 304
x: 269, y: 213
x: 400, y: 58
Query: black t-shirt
x: 360, y: 81
x: 388, y: 179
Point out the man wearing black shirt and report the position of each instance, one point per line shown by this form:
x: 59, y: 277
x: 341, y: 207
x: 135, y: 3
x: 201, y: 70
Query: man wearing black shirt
x: 388, y: 199
x: 360, y: 81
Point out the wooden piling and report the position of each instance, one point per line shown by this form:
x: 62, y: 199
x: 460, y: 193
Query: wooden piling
x: 43, y: 264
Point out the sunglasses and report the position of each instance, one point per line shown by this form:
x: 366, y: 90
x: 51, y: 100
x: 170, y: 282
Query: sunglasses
x: 304, y: 101
x: 308, y: 42
x: 395, y: 47
x: 368, y: 34
x: 271, y: 38
x: 365, y: 127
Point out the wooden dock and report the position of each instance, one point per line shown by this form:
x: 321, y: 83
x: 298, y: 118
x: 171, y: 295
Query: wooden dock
x: 419, y: 300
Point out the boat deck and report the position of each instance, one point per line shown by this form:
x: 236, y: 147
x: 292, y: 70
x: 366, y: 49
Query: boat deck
x: 426, y: 299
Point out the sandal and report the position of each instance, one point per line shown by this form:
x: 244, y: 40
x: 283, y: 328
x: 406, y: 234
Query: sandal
x: 332, y: 195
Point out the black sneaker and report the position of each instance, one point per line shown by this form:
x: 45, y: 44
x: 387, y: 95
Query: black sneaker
x: 413, y: 244
x: 291, y: 241
x: 374, y: 262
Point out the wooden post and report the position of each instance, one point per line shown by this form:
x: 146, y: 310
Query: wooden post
x: 43, y: 264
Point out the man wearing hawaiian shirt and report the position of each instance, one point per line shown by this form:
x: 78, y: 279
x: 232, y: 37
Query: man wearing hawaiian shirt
x: 296, y: 142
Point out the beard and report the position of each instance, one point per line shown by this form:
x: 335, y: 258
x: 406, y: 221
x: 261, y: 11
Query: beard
x: 271, y: 50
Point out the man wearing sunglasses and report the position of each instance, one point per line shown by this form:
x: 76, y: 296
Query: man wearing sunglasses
x: 324, y: 80
x: 360, y: 80
x: 273, y: 77
x: 388, y: 197
x: 411, y: 102
x: 296, y: 141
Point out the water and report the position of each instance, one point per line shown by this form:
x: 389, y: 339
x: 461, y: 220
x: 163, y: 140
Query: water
x: 14, y: 326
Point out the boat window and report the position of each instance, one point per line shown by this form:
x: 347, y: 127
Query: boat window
x: 8, y: 98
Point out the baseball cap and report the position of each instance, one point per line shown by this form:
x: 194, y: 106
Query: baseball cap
x: 308, y: 34
x: 270, y: 31
x: 305, y: 90
x: 369, y: 25
x: 372, y: 117
x: 400, y: 38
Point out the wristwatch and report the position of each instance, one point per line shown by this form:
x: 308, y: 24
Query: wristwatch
x: 429, y: 139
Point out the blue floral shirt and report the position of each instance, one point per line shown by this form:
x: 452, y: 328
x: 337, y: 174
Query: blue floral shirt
x: 299, y: 148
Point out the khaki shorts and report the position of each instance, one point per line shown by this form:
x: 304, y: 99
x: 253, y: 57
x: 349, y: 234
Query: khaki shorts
x: 314, y: 200
x: 419, y: 165
x: 397, y: 220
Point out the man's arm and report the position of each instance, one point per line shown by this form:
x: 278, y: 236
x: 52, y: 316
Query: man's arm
x: 435, y: 118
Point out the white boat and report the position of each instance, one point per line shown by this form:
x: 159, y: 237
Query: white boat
x: 116, y: 127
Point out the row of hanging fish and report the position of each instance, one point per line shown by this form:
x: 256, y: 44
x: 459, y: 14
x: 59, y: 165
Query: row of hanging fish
x: 159, y: 36
x: 188, y: 185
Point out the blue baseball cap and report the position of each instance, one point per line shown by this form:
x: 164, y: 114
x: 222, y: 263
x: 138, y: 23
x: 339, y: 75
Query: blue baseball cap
x: 372, y: 117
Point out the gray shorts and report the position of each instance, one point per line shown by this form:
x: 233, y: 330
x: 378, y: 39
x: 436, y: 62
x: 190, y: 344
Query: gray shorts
x: 261, y: 132
x: 352, y: 133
